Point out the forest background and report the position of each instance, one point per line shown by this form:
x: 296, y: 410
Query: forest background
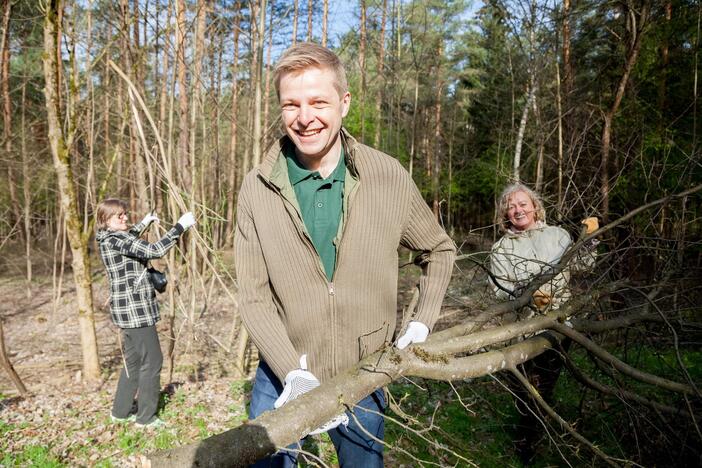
x: 168, y: 103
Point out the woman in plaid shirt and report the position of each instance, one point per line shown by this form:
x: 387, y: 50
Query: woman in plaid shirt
x: 133, y: 305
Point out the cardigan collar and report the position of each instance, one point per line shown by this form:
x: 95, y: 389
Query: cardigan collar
x: 272, y: 162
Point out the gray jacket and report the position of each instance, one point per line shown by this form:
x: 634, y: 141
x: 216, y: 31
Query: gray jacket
x: 518, y: 257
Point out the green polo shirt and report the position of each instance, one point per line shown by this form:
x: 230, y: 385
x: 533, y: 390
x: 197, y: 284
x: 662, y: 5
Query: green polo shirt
x: 321, y: 204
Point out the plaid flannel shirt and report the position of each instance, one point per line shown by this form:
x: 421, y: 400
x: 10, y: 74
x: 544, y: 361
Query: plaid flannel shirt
x: 132, y: 297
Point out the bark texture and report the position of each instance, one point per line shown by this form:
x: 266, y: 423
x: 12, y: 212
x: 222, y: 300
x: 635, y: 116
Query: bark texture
x: 60, y: 142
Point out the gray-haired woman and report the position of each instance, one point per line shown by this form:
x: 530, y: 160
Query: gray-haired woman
x: 530, y: 247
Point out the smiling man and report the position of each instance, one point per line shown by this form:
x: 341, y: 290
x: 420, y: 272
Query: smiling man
x: 319, y: 223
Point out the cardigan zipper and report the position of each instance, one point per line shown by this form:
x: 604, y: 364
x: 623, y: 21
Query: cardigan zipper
x: 347, y: 210
x: 299, y: 225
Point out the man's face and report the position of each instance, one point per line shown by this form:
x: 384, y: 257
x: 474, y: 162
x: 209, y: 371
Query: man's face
x: 521, y: 212
x: 312, y: 112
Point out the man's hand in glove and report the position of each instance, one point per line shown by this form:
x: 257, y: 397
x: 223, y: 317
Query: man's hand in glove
x: 149, y: 218
x: 300, y: 381
x: 416, y: 332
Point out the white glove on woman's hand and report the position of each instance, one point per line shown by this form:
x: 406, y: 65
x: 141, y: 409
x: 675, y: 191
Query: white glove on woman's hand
x: 149, y: 218
x: 416, y: 332
x: 187, y: 220
x: 300, y: 381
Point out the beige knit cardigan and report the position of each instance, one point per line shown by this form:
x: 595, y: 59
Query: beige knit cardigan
x: 287, y: 303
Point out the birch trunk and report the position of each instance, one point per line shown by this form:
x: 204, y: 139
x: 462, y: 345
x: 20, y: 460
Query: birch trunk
x: 520, y: 134
x: 296, y: 16
x: 60, y: 142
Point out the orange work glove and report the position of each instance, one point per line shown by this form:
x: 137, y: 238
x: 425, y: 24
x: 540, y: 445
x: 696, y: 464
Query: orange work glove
x: 541, y: 299
x: 591, y: 225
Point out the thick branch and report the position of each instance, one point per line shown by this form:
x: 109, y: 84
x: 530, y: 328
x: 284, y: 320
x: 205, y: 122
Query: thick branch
x: 256, y: 439
x: 620, y: 393
x: 621, y: 366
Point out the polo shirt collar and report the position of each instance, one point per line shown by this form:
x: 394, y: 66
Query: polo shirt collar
x: 297, y: 172
x: 270, y: 168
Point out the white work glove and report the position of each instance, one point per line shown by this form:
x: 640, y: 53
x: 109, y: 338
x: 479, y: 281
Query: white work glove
x: 300, y: 381
x: 416, y: 332
x: 149, y: 218
x: 186, y: 220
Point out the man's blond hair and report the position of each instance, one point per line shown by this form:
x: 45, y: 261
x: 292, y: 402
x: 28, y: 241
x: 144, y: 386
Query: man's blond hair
x: 304, y: 55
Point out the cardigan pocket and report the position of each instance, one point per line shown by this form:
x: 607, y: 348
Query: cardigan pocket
x: 371, y: 341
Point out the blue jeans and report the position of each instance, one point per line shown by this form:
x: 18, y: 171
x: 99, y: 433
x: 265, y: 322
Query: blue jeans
x: 353, y: 446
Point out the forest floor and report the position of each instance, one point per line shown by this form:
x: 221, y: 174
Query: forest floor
x: 67, y: 423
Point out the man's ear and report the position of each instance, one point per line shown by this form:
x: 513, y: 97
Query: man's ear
x: 345, y: 104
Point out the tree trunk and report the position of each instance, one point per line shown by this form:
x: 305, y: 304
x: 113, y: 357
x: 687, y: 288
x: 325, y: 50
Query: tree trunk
x: 310, y: 14
x: 665, y: 62
x: 7, y: 112
x: 362, y: 66
x: 637, y: 23
x: 540, y: 137
x: 267, y: 92
x: 520, y: 135
x: 233, y: 163
x: 106, y: 98
x: 27, y: 193
x: 380, y: 74
x: 7, y: 365
x: 183, y: 121
x: 140, y: 195
x: 163, y: 76
x: 438, y: 146
x: 257, y: 73
x: 568, y: 77
x: 559, y: 116
x: 60, y: 144
x: 325, y: 18
x: 413, y: 138
x: 296, y: 17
